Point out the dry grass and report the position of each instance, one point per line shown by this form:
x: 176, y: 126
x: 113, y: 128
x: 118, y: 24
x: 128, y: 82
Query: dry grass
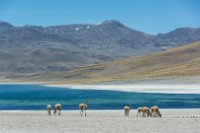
x: 181, y: 61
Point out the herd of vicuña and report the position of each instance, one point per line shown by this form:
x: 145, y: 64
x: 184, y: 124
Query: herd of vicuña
x: 141, y: 111
x: 146, y: 112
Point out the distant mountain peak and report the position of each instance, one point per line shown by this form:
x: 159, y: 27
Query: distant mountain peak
x: 2, y: 22
x: 115, y: 22
x: 5, y: 24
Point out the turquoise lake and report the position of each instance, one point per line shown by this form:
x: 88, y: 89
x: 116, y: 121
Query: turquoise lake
x: 36, y: 97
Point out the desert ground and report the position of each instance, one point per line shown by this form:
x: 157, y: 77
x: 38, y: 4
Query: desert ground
x: 100, y: 121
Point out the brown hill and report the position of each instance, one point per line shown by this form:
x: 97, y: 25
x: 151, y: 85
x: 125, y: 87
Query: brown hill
x: 181, y: 61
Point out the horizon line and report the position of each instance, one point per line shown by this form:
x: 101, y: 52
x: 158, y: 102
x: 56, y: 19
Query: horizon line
x: 96, y: 24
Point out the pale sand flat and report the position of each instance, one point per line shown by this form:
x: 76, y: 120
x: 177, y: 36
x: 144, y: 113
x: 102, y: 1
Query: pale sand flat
x: 144, y: 88
x: 173, y: 121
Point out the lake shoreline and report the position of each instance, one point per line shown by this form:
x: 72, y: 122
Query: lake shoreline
x: 36, y: 97
x: 106, y: 110
x: 134, y: 87
x: 138, y: 88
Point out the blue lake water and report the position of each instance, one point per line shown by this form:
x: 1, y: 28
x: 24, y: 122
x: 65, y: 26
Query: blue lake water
x: 36, y: 97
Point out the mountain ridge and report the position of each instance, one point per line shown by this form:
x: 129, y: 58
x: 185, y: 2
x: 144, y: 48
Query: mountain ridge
x: 32, y: 49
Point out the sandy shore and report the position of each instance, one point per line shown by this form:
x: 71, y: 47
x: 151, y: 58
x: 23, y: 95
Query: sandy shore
x: 176, y: 121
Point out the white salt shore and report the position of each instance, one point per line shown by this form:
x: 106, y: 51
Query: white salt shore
x: 147, y: 88
x: 193, y: 88
x: 100, y: 121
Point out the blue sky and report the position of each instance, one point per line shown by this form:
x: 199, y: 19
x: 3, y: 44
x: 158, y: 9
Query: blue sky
x: 150, y: 16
